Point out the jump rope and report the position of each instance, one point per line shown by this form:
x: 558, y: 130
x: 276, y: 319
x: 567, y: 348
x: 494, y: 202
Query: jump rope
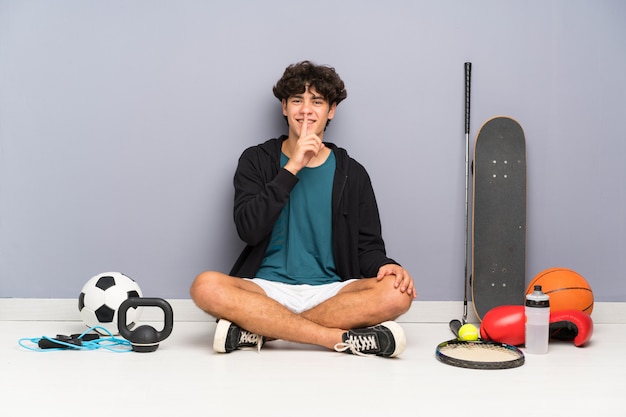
x: 88, y: 340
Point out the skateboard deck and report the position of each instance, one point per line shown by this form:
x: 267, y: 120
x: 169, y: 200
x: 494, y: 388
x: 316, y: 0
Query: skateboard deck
x: 499, y: 216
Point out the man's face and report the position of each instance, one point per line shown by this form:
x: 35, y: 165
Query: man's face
x: 312, y: 105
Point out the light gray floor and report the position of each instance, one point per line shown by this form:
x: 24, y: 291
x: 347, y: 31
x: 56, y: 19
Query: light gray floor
x: 184, y: 377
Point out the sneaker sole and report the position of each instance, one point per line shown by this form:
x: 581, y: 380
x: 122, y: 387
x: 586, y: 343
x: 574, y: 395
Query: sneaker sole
x: 221, y: 333
x: 398, y: 336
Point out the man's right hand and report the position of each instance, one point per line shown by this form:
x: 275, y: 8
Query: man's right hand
x: 307, y: 147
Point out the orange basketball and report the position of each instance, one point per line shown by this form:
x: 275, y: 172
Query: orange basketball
x: 568, y: 290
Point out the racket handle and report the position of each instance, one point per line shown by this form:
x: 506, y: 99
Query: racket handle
x: 468, y: 79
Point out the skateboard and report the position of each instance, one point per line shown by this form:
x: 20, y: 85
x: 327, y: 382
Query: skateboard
x: 499, y: 216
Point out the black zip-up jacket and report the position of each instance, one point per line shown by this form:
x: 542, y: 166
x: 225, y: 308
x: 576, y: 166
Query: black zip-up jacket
x: 262, y: 188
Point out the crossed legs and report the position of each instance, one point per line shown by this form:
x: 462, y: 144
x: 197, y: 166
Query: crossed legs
x: 362, y: 303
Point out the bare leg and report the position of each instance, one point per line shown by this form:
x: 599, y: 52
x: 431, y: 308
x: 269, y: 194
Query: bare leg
x: 362, y: 303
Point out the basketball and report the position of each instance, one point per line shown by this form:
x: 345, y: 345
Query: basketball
x: 568, y: 290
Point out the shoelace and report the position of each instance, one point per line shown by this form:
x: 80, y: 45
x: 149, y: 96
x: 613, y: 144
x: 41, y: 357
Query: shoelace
x: 357, y: 344
x: 247, y: 338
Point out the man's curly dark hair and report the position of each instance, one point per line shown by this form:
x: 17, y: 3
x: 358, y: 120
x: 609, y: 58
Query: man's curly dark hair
x: 323, y: 78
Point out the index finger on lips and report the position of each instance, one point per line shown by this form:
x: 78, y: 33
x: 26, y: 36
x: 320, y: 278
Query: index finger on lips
x: 305, y: 126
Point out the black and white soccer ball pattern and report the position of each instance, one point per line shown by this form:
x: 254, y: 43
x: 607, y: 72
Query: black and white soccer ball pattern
x: 100, y: 299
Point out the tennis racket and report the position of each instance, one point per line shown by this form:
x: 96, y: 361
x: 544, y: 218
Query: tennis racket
x: 479, y: 354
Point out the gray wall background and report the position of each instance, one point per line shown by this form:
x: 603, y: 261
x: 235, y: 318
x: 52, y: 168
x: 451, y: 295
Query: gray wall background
x: 121, y: 123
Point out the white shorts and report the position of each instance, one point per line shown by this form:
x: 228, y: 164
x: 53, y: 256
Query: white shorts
x: 299, y: 298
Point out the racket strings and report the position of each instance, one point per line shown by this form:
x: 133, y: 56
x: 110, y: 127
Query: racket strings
x: 480, y: 353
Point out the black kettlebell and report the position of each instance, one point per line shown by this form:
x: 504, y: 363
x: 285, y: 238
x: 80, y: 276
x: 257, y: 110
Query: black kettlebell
x: 145, y: 338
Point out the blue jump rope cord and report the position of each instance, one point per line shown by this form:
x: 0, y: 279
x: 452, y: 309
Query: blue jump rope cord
x: 110, y: 342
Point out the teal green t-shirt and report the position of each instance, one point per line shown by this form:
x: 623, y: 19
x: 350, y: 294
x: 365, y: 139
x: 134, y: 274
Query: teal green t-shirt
x: 300, y: 249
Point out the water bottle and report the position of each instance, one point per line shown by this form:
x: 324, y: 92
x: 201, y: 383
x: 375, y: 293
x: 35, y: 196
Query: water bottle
x: 537, y: 311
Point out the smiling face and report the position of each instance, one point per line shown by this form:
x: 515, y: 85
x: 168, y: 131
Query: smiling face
x: 311, y: 106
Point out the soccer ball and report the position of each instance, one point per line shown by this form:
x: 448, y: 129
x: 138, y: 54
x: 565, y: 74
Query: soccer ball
x: 100, y: 299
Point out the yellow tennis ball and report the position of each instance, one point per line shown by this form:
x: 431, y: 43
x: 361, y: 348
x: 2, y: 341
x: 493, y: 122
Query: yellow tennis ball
x: 468, y: 332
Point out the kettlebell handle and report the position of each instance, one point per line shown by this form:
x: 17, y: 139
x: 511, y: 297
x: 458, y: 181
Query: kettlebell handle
x: 134, y: 302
